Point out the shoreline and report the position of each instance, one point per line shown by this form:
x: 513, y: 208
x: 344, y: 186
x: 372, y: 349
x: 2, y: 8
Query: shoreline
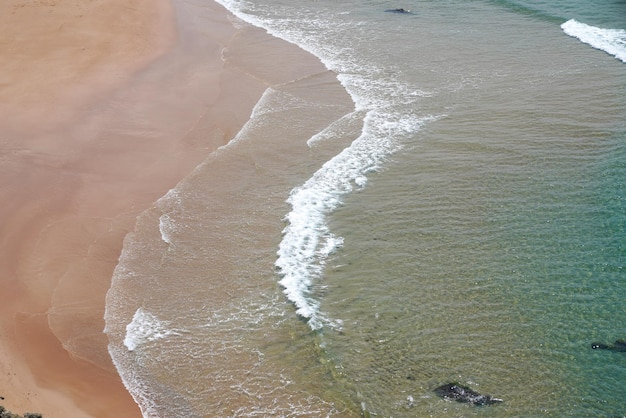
x: 82, y: 163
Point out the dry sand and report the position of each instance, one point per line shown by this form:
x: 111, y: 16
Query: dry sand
x: 104, y: 106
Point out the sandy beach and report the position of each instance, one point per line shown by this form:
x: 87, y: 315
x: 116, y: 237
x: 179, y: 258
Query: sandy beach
x: 104, y: 106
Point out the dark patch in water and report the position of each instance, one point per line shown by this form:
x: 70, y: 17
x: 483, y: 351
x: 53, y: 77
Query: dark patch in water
x: 619, y: 345
x: 464, y: 394
x: 400, y: 10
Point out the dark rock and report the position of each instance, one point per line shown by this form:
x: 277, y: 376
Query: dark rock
x: 464, y: 394
x: 8, y: 414
x: 619, y: 345
x: 399, y: 11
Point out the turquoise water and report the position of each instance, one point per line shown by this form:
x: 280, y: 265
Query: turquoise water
x: 464, y: 220
x: 606, y: 14
x: 504, y: 287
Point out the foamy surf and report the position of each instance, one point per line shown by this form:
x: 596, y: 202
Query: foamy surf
x: 611, y: 41
x: 168, y: 204
x: 144, y: 328
x: 307, y: 240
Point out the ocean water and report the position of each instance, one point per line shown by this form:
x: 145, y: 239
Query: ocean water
x: 458, y: 216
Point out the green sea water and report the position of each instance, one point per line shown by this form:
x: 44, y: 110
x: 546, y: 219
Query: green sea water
x: 602, y: 13
x: 503, y: 268
x: 491, y: 250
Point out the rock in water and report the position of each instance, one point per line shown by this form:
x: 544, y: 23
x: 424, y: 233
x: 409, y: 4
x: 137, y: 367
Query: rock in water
x: 620, y: 345
x: 399, y: 11
x: 464, y: 394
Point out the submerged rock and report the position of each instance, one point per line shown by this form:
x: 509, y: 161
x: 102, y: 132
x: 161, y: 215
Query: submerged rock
x: 464, y: 394
x: 399, y: 11
x: 619, y: 345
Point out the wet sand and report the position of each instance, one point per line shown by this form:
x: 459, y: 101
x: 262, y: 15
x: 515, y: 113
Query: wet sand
x: 104, y: 106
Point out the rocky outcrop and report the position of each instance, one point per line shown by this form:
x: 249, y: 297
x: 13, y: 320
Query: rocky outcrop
x: 399, y: 11
x: 8, y: 414
x: 460, y: 393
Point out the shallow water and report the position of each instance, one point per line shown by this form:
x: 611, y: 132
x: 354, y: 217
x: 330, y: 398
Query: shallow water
x: 463, y: 220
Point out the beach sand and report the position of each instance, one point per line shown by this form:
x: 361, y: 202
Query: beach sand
x: 104, y: 106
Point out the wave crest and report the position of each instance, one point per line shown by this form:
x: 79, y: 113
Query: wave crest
x: 611, y: 41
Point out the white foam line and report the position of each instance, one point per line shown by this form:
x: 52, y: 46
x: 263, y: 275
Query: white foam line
x: 611, y: 41
x: 144, y: 328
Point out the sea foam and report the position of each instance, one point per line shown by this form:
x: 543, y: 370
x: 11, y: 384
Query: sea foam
x: 387, y: 108
x: 168, y: 204
x: 144, y: 328
x: 307, y: 240
x: 611, y: 41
